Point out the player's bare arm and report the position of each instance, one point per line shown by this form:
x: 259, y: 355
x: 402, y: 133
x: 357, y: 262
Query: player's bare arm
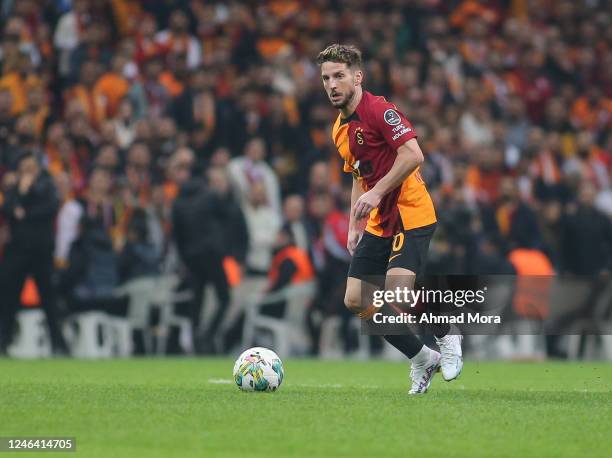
x: 409, y: 157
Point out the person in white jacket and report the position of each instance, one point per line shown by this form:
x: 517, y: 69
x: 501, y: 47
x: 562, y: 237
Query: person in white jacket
x: 263, y: 223
x: 68, y: 219
x: 69, y: 31
x: 251, y: 167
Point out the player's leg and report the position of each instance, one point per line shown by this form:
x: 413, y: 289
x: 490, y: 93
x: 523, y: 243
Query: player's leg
x: 356, y: 291
x: 408, y: 258
x: 449, y: 341
x: 366, y: 274
x: 425, y: 362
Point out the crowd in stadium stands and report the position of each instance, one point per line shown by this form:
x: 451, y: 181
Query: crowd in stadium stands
x: 138, y: 136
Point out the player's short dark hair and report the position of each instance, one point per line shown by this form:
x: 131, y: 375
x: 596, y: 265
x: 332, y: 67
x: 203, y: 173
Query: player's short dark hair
x: 343, y: 54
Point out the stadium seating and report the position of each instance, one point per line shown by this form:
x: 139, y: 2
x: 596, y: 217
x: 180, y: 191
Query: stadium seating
x: 288, y: 333
x: 32, y: 338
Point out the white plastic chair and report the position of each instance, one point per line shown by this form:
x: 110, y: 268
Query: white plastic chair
x: 32, y: 337
x: 121, y: 336
x: 165, y: 297
x: 140, y: 292
x: 89, y: 335
x: 330, y: 346
x: 147, y: 293
x: 288, y: 333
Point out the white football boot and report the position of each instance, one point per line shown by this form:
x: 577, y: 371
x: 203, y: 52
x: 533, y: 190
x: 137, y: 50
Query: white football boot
x: 423, y: 373
x: 451, y: 355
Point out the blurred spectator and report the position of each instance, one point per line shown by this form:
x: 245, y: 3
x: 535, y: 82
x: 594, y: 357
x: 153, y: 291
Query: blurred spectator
x: 97, y: 200
x: 91, y: 102
x: 92, y: 275
x: 586, y: 236
x: 198, y: 218
x: 515, y: 219
x: 125, y: 123
x: 154, y: 97
x: 112, y: 86
x: 94, y: 46
x: 251, y: 168
x: 320, y: 206
x: 19, y: 77
x: 69, y: 32
x: 196, y: 109
x: 318, y: 179
x: 293, y: 213
x: 290, y: 266
x: 7, y: 123
x: 108, y: 159
x: 177, y: 39
x: 139, y: 257
x: 263, y: 223
x: 68, y: 219
x: 30, y: 206
x: 236, y: 234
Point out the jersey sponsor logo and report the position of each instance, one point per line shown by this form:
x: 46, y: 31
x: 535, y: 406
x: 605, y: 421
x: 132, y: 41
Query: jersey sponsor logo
x: 400, y: 130
x: 404, y: 131
x: 391, y: 117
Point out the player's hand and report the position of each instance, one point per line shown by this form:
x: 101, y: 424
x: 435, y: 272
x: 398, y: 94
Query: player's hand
x: 366, y: 203
x: 354, y: 235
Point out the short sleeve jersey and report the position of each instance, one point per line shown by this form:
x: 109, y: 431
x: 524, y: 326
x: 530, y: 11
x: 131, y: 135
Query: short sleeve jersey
x: 367, y: 142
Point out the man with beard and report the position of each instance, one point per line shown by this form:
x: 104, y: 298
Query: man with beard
x: 379, y: 147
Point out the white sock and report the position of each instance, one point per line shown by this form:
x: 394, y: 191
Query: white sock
x: 422, y: 357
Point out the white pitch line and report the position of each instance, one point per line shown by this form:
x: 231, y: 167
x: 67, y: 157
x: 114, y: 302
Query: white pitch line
x: 223, y: 381
x: 318, y: 385
x: 220, y: 381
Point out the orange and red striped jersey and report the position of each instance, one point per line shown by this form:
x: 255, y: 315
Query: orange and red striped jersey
x: 368, y: 141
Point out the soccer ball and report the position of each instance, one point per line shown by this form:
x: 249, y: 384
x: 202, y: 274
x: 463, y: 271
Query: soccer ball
x: 258, y: 369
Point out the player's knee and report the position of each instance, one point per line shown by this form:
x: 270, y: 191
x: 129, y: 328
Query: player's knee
x: 400, y: 278
x: 352, y: 301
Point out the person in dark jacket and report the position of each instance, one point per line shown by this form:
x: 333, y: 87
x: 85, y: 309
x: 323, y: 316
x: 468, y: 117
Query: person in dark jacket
x: 586, y: 236
x: 30, y: 206
x: 198, y: 218
x: 139, y: 257
x: 92, y: 275
x: 236, y: 234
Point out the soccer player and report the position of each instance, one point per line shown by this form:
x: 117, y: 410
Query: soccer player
x: 379, y: 147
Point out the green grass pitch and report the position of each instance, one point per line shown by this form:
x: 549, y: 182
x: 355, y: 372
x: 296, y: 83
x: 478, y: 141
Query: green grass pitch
x: 189, y: 408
